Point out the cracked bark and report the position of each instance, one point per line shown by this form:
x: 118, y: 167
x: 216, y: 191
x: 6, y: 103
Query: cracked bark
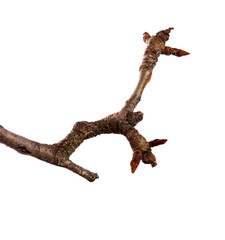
x: 122, y: 122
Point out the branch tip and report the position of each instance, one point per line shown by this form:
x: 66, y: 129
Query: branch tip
x: 95, y: 176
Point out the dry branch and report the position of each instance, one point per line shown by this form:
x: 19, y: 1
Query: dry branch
x: 122, y: 122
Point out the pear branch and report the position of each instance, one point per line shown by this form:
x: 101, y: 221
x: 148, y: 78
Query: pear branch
x: 122, y: 122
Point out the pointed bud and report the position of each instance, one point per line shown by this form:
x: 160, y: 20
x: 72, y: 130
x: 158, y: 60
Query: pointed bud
x: 135, y: 161
x: 149, y: 158
x: 179, y: 52
x: 174, y: 51
x: 157, y: 142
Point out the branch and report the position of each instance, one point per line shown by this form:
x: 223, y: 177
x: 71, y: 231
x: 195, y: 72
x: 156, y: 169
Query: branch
x: 43, y: 152
x: 122, y: 122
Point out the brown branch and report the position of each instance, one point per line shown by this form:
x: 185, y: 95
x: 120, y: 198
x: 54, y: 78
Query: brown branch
x: 122, y: 122
x: 43, y: 152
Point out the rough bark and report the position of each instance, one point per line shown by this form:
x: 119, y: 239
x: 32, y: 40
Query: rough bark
x: 122, y: 122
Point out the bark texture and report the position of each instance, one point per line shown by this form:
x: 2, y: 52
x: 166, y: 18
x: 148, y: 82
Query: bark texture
x: 122, y: 122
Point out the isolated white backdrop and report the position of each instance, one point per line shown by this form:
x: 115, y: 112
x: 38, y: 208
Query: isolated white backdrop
x: 66, y: 61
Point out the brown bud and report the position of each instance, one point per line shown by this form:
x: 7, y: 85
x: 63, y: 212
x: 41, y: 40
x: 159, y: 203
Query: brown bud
x: 164, y: 35
x: 157, y: 142
x: 174, y: 51
x: 149, y: 158
x: 135, y: 161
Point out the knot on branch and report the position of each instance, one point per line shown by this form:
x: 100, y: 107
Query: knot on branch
x: 23, y: 150
x: 134, y: 118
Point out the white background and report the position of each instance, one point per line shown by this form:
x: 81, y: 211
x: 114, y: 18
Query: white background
x: 66, y: 61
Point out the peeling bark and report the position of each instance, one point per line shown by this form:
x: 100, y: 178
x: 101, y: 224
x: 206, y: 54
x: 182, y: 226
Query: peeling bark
x: 122, y: 122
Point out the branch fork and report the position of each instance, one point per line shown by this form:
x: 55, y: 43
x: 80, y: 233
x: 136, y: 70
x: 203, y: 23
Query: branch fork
x: 122, y: 122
